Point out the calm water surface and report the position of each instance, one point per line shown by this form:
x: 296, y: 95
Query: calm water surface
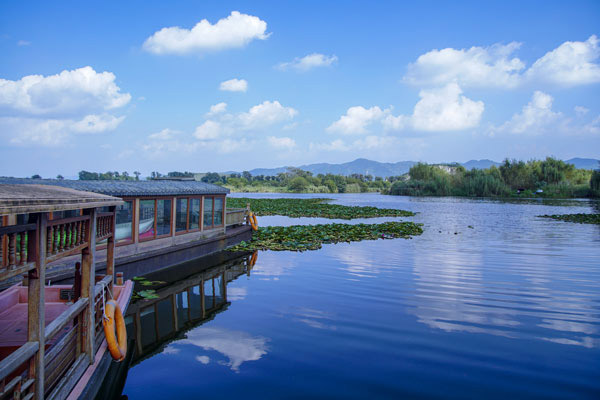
x: 509, y: 308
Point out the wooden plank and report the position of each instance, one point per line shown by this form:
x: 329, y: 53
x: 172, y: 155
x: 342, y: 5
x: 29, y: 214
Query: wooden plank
x: 68, y: 382
x: 67, y: 316
x: 88, y: 273
x: 5, y: 230
x: 58, y: 346
x: 29, y: 396
x: 20, y: 270
x: 17, y: 358
x: 8, y: 388
x: 68, y: 220
x: 36, y: 309
x: 100, y: 285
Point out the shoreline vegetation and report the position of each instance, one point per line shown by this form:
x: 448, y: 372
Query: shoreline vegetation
x: 576, y: 218
x: 312, y: 237
x: 319, y: 208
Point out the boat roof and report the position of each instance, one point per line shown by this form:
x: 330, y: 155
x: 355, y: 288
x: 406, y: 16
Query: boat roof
x: 127, y: 188
x: 24, y: 199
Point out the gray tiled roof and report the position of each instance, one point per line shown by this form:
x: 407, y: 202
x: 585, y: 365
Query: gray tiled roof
x: 128, y: 188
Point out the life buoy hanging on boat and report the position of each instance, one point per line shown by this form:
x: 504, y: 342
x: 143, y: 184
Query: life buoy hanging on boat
x: 114, y: 330
x: 253, y: 221
x: 253, y: 258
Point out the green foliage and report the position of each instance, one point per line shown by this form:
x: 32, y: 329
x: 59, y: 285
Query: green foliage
x: 311, y: 237
x: 577, y: 218
x: 547, y: 178
x: 107, y: 176
x: 312, y: 208
x: 298, y: 184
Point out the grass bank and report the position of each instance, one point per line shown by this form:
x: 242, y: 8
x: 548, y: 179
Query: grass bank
x: 577, y: 218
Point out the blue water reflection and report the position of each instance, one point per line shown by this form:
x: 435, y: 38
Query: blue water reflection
x: 509, y: 307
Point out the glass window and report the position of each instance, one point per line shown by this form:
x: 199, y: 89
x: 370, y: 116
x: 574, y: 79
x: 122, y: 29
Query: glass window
x: 66, y: 214
x: 194, y: 214
x: 123, y: 223
x: 163, y: 217
x: 181, y: 209
x: 208, y: 209
x: 218, y: 211
x: 146, y: 224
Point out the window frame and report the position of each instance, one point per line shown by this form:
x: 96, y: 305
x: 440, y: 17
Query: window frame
x: 213, y: 226
x: 156, y: 236
x: 133, y: 224
x: 187, y: 222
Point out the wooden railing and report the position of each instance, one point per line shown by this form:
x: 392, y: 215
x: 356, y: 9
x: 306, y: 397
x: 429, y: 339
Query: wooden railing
x: 104, y: 226
x: 234, y: 216
x: 65, y: 334
x: 16, y: 381
x: 17, y: 246
x: 66, y: 237
x: 101, y: 288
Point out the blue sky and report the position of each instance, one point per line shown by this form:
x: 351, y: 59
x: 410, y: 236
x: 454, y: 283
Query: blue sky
x: 142, y: 85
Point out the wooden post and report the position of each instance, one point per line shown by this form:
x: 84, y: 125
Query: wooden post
x: 88, y: 278
x: 224, y: 288
x: 175, y: 316
x: 110, y: 249
x: 202, y: 301
x: 36, y: 325
x: 136, y: 220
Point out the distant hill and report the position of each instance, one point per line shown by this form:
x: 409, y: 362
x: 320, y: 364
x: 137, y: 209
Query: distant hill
x: 375, y: 168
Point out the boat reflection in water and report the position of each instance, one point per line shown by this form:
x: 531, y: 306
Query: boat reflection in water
x: 185, y: 296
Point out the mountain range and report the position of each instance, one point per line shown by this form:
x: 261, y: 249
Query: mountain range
x: 375, y: 168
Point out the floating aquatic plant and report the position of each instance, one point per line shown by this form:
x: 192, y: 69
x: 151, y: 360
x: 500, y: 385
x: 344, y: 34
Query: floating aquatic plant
x: 295, y: 207
x: 147, y: 294
x: 577, y: 218
x: 311, y: 237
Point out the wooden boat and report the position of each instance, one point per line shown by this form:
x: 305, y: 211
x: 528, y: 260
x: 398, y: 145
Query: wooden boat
x: 52, y: 342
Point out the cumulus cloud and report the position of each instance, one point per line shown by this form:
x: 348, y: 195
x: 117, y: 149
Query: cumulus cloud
x: 234, y: 85
x: 535, y: 117
x: 217, y: 109
x: 580, y: 111
x: 443, y: 109
x: 237, y: 30
x: 357, y: 120
x: 370, y: 142
x: 308, y: 62
x: 46, y: 110
x: 446, y: 109
x: 224, y: 132
x: 475, y: 67
x: 265, y: 114
x: 286, y: 143
x: 570, y: 64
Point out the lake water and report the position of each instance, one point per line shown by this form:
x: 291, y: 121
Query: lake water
x: 490, y: 302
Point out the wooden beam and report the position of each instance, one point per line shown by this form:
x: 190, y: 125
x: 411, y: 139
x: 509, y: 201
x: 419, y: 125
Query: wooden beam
x: 68, y: 315
x: 36, y: 325
x: 136, y: 220
x: 17, y: 358
x: 110, y: 249
x: 88, y: 276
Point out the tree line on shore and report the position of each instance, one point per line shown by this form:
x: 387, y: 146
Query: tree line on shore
x: 547, y: 178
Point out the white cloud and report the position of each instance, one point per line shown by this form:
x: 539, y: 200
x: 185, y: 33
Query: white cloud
x: 281, y: 142
x: 370, y: 142
x: 165, y: 134
x: 23, y: 43
x: 265, y: 114
x: 46, y: 110
x: 335, y: 145
x: 443, y: 109
x: 475, y: 67
x: 570, y: 64
x: 580, y: 111
x: 234, y: 85
x: 237, y: 30
x: 217, y: 109
x: 446, y: 109
x: 535, y: 118
x: 68, y: 93
x: 209, y: 130
x: 357, y: 120
x: 308, y: 62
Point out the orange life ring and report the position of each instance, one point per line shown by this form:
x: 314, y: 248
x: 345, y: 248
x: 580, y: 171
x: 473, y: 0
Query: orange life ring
x: 253, y: 258
x: 117, y: 344
x: 253, y: 221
